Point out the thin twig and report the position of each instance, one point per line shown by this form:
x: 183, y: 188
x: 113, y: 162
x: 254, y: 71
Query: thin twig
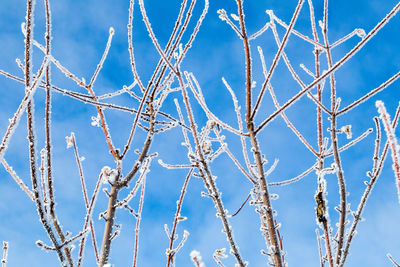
x: 5, y: 254
x: 392, y: 260
x: 338, y: 64
x: 18, y: 180
x: 138, y: 219
x: 277, y: 56
x: 171, y: 256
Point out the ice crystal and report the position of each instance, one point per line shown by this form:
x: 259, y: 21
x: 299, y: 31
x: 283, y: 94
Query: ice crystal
x: 68, y: 139
x: 96, y: 121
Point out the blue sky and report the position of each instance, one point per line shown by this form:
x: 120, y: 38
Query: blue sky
x: 80, y: 32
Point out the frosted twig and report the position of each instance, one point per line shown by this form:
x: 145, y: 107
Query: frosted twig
x: 393, y: 144
x: 313, y: 27
x: 302, y: 36
x: 79, y: 164
x: 113, y: 177
x: 247, y: 54
x: 321, y: 259
x: 81, y: 97
x: 259, y: 32
x: 132, y: 193
x: 307, y: 71
x: 277, y: 56
x: 336, y: 152
x: 289, y: 123
x: 89, y: 221
x: 18, y: 180
x: 295, y: 179
x: 183, y: 240
x: 30, y: 88
x: 292, y: 71
x: 68, y: 74
x: 200, y: 99
x: 285, y: 118
x: 172, y: 44
x: 324, y: 155
x: 188, y: 45
x: 42, y: 245
x: 130, y: 48
x: 338, y: 64
x: 103, y: 58
x: 153, y: 37
x: 171, y: 256
x: 196, y: 258
x: 5, y: 254
x: 349, y: 144
x: 207, y: 176
x: 272, y: 168
x: 136, y: 75
x: 237, y: 163
x: 43, y: 178
x: 125, y: 89
x: 392, y: 260
x: 89, y: 88
x: 219, y: 253
x: 377, y: 144
x: 138, y: 219
x: 369, y: 94
x: 240, y: 124
x: 178, y: 166
x: 88, y: 206
x: 30, y: 91
x: 224, y: 17
x: 48, y: 146
x: 184, y: 131
x: 100, y: 112
x: 266, y: 215
x: 374, y: 177
x: 359, y: 32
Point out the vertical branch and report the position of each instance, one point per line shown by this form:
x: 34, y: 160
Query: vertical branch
x: 320, y: 166
x: 43, y: 178
x: 48, y: 105
x: 328, y: 243
x: 274, y: 242
x: 5, y: 254
x: 266, y: 199
x: 247, y: 57
x: 138, y: 219
x: 170, y: 256
x: 109, y: 218
x: 31, y: 138
x: 321, y: 259
x: 335, y: 146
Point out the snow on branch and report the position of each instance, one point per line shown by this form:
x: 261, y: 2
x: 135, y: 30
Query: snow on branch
x: 394, y: 146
